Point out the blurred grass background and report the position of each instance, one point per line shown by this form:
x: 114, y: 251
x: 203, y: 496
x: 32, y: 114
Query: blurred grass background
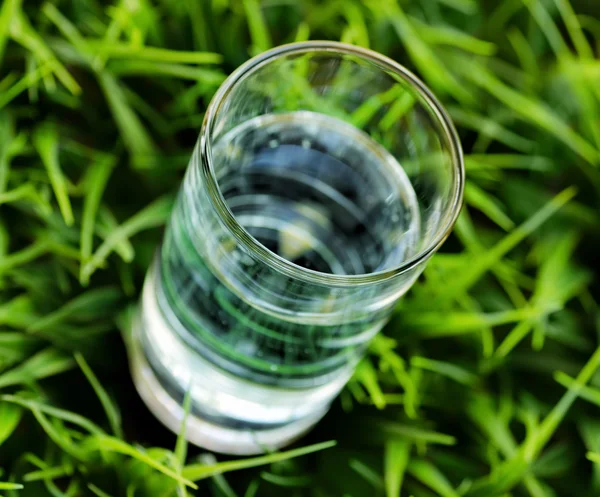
x: 486, y: 381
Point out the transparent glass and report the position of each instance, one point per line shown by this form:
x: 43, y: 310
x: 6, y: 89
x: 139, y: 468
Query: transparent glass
x: 324, y: 178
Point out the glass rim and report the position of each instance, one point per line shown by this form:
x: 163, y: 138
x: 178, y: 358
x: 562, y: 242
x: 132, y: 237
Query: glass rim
x: 278, y: 262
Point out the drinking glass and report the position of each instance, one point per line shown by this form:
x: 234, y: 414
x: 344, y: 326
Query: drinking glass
x: 324, y: 178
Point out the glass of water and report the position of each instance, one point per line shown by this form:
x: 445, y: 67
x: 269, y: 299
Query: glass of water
x: 324, y: 178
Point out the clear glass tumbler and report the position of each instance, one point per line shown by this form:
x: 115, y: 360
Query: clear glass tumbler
x: 324, y: 178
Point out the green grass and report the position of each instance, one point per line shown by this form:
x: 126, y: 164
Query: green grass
x: 486, y: 383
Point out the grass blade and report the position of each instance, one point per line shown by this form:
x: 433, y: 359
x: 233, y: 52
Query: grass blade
x: 106, y: 224
x: 422, y: 55
x: 110, y: 409
x: 65, y: 26
x: 143, y: 67
x: 22, y: 257
x: 61, y: 414
x: 533, y: 111
x: 22, y: 32
x: 397, y: 454
x: 7, y: 15
x: 574, y: 28
x: 441, y: 35
x: 151, y: 216
x: 97, y: 491
x: 10, y: 416
x: 110, y: 444
x: 26, y: 82
x: 490, y: 128
x: 45, y: 140
x: 456, y: 373
x: 48, y: 362
x: 476, y: 268
x: 57, y: 434
x: 412, y: 433
x: 440, y: 324
x: 588, y: 393
x: 48, y: 473
x: 18, y: 312
x: 431, y: 476
x: 91, y: 305
x: 487, y: 204
x: 368, y: 473
x: 197, y: 472
x: 10, y: 486
x: 96, y: 182
x: 550, y: 423
x: 134, y: 135
x: 116, y: 50
x: 182, y: 444
x: 15, y: 347
x: 261, y: 39
x: 365, y: 373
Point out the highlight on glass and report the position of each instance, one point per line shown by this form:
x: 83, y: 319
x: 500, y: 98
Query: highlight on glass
x: 324, y: 178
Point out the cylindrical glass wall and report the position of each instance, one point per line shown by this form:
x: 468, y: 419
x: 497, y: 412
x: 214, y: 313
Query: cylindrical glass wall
x: 324, y: 178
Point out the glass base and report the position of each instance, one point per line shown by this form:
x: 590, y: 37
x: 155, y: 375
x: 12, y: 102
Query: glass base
x: 202, y: 432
